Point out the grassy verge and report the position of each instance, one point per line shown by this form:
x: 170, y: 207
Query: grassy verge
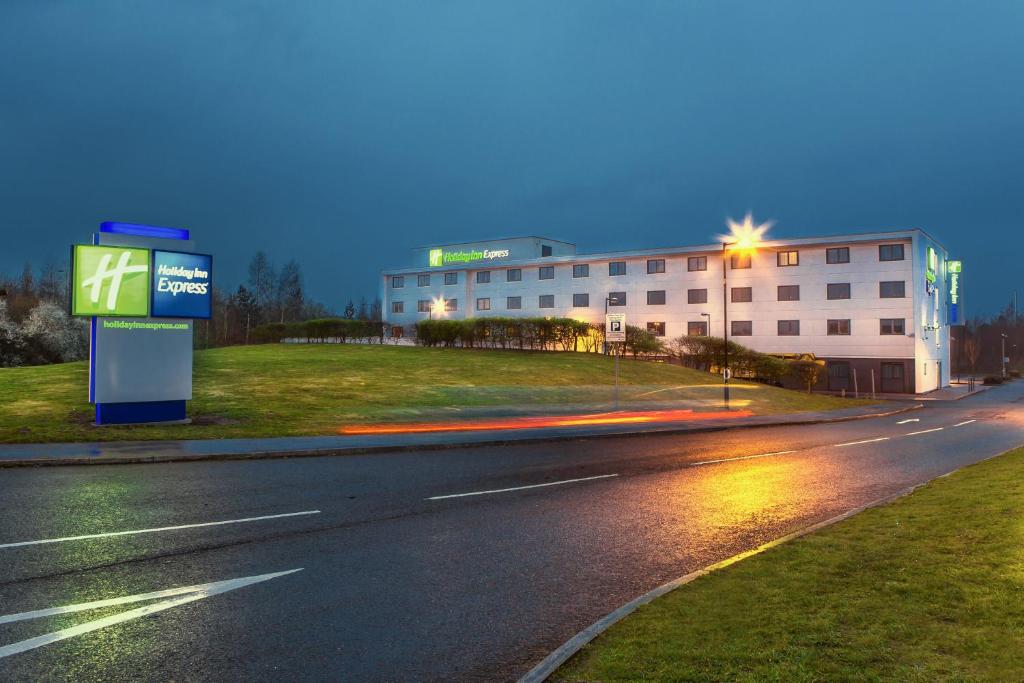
x: 928, y: 588
x: 281, y: 390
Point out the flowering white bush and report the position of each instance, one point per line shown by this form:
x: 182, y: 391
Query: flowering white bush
x: 54, y: 335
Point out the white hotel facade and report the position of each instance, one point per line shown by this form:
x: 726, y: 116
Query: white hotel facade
x: 872, y: 304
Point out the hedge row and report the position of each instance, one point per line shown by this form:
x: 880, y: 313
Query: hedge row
x: 563, y: 334
x: 322, y: 330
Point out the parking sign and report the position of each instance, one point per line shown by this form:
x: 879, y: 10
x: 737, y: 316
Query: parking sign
x: 615, y: 327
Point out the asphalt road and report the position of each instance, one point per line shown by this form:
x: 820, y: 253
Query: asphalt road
x: 401, y: 577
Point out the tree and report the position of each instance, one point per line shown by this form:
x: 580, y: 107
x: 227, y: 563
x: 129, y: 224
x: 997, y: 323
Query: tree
x: 350, y: 310
x: 289, y: 292
x: 12, y: 342
x: 54, y: 335
x: 248, y: 309
x: 973, y: 352
x: 364, y: 311
x: 27, y: 280
x: 807, y: 371
x: 262, y: 283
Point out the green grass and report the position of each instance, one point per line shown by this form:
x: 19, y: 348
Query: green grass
x: 283, y: 390
x: 929, y: 588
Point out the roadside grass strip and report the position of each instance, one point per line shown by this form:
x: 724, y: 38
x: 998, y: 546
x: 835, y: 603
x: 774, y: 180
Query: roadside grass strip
x: 929, y: 587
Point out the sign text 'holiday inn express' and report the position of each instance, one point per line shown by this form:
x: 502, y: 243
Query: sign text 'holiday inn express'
x: 123, y: 282
x: 441, y: 257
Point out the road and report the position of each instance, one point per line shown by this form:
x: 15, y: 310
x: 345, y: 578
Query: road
x: 403, y: 576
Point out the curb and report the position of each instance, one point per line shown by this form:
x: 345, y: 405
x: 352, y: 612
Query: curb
x: 560, y: 656
x: 366, y: 450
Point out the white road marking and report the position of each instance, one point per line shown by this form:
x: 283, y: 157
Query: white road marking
x: 739, y: 457
x: 913, y: 419
x: 965, y: 422
x: 855, y: 443
x: 926, y: 431
x: 154, y: 530
x: 521, y: 488
x: 182, y: 595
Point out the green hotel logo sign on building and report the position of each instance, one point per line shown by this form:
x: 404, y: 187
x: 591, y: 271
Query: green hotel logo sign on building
x: 110, y: 281
x: 440, y: 257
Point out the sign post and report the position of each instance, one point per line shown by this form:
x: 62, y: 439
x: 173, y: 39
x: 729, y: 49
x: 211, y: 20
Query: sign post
x: 142, y: 288
x: 615, y: 332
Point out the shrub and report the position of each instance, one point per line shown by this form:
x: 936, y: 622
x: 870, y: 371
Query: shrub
x: 992, y: 379
x: 1015, y: 374
x: 518, y: 333
x: 807, y: 371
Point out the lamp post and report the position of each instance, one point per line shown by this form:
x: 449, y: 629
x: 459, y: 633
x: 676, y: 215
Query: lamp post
x: 1002, y: 358
x: 743, y: 238
x: 708, y: 316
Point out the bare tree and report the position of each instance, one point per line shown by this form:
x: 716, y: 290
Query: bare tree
x: 973, y: 352
x: 262, y: 283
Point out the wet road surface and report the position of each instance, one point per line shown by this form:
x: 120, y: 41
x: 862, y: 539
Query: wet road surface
x: 468, y: 564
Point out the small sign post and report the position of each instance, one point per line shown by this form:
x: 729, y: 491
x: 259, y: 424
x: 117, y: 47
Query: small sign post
x: 615, y: 332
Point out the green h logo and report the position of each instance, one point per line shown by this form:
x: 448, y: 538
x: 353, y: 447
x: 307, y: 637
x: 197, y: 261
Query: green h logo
x: 110, y: 281
x: 436, y: 258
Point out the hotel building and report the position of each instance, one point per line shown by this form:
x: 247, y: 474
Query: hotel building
x: 878, y: 305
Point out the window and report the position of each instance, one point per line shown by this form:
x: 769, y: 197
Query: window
x: 423, y: 306
x: 788, y: 258
x: 617, y: 268
x: 514, y: 303
x: 838, y: 327
x: 398, y: 307
x: 451, y: 305
x: 616, y: 298
x: 892, y: 326
x: 655, y: 265
x: 890, y: 252
x: 581, y: 270
x: 580, y: 300
x: 483, y: 304
x: 545, y: 250
x: 892, y: 290
x: 513, y: 275
x: 697, y: 263
x: 451, y: 278
x: 789, y: 328
x: 742, y: 328
x: 697, y: 329
x: 742, y: 295
x: 789, y: 292
x: 837, y: 255
x: 397, y: 282
x: 838, y: 290
x: 696, y: 296
x: 656, y: 297
x: 483, y: 276
x: 546, y: 273
x: 546, y: 301
x: 657, y: 329
x: 397, y: 332
x: 739, y: 261
x: 422, y: 280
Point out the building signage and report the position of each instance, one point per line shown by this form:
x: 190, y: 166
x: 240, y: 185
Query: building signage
x: 930, y: 266
x: 615, y: 327
x: 182, y: 286
x: 954, y: 268
x: 440, y: 257
x: 126, y: 282
x: 109, y: 281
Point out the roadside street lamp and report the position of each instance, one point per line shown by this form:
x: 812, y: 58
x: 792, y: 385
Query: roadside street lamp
x: 742, y: 240
x: 1002, y: 358
x: 708, y: 316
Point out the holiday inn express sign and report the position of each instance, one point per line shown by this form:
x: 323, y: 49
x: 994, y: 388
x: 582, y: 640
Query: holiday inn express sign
x: 132, y: 282
x: 440, y: 257
x: 142, y: 288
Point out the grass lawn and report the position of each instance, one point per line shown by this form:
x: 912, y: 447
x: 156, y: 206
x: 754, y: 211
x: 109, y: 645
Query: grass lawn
x: 284, y: 390
x: 929, y: 588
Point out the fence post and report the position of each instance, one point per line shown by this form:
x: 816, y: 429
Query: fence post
x: 856, y: 392
x: 872, y: 384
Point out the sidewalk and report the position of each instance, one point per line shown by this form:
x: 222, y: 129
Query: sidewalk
x: 126, y: 452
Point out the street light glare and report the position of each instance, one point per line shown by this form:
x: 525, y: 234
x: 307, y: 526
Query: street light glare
x: 438, y: 305
x: 744, y: 237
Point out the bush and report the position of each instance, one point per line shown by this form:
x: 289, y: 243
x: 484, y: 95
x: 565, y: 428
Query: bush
x: 807, y: 371
x: 320, y: 331
x: 563, y: 334
x: 992, y: 379
x: 1015, y: 374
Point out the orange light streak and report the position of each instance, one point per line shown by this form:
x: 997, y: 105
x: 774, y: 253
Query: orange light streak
x: 542, y: 422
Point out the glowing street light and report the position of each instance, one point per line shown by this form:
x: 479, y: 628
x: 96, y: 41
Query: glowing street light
x: 743, y: 240
x: 438, y: 305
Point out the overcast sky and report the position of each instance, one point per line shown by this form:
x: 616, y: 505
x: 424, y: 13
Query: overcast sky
x: 342, y: 133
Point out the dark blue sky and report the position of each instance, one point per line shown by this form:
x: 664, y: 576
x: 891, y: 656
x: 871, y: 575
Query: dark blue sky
x: 342, y: 133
